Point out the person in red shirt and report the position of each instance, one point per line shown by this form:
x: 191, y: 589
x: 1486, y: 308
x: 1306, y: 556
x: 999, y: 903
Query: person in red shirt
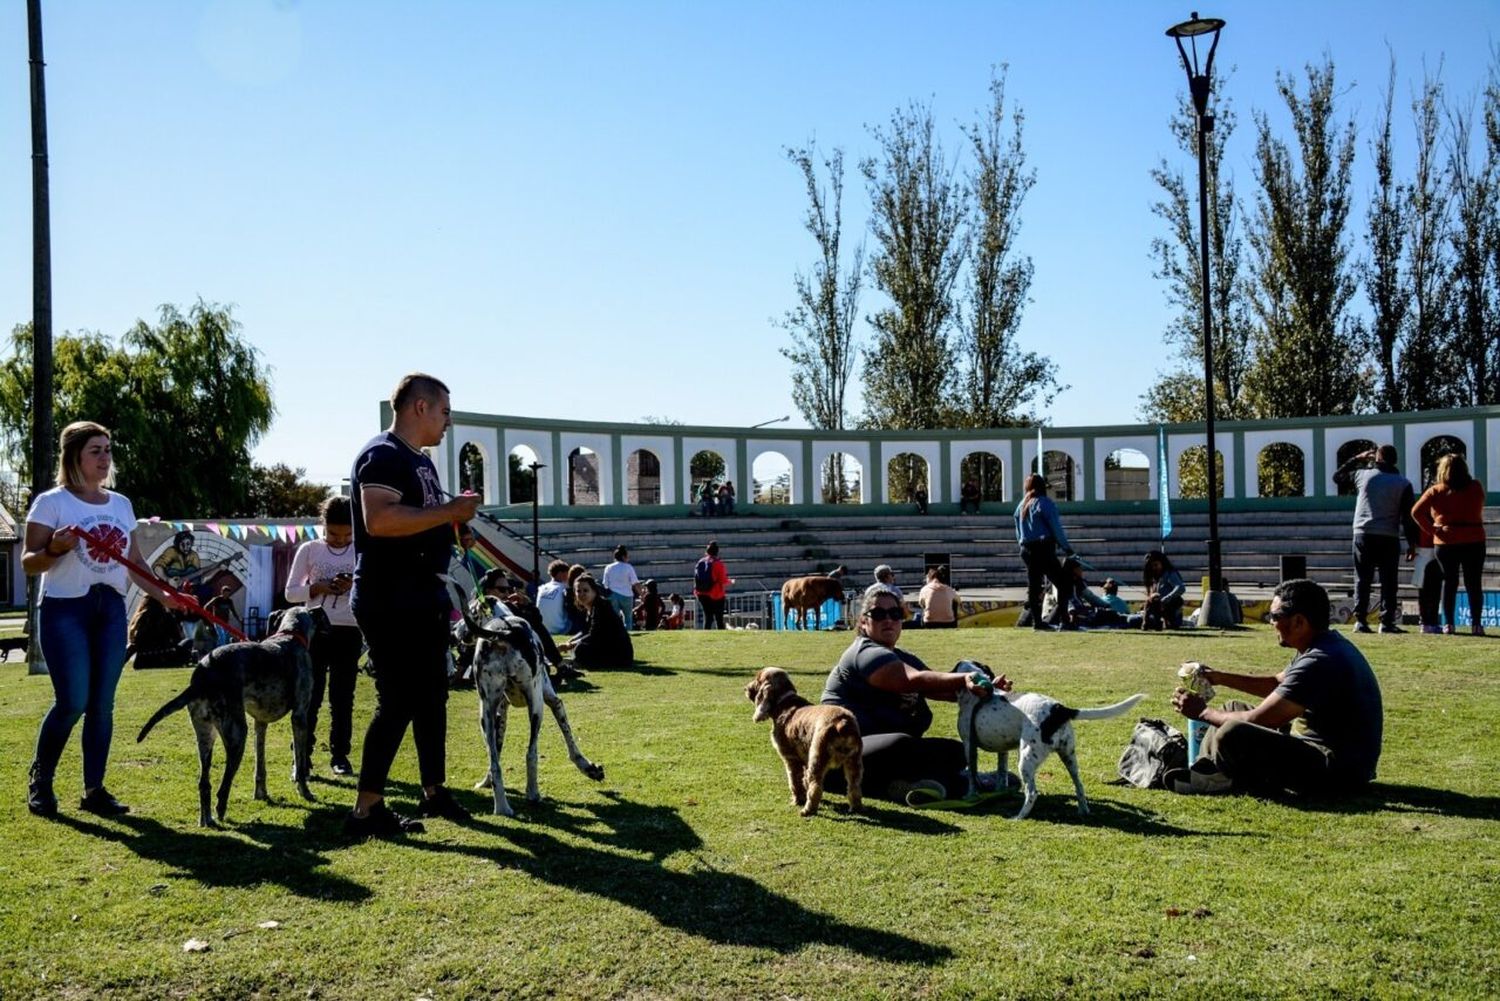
x: 1452, y: 509
x: 710, y: 580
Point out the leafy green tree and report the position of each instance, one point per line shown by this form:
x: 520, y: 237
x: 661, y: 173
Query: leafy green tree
x: 999, y: 382
x: 821, y: 324
x: 1388, y: 293
x: 522, y: 479
x: 917, y: 215
x: 1178, y: 396
x: 1429, y: 365
x: 279, y: 491
x: 1307, y: 360
x: 185, y: 399
x: 1475, y: 247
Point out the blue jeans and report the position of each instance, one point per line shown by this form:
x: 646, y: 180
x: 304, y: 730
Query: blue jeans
x: 624, y: 605
x: 83, y: 640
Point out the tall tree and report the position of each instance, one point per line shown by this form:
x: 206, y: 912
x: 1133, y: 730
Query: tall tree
x: 279, y: 491
x: 1179, y: 264
x: 821, y: 324
x: 1475, y: 243
x: 1388, y: 293
x: 999, y: 381
x: 917, y: 214
x: 1306, y: 358
x: 186, y: 399
x: 1429, y: 366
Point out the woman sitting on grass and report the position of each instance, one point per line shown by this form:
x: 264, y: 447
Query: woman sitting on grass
x: 604, y: 642
x: 1164, y: 593
x: 887, y: 690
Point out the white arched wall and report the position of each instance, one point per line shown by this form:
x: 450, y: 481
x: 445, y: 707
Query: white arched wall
x: 791, y: 451
x: 858, y: 450
x: 487, y: 440
x: 1336, y: 438
x: 1073, y: 447
x: 1491, y: 471
x: 540, y: 444
x: 1104, y: 447
x: 1418, y: 435
x: 928, y: 450
x: 662, y: 449
x: 961, y: 450
x: 600, y: 445
x: 725, y: 447
x: 1179, y: 443
x: 1255, y: 443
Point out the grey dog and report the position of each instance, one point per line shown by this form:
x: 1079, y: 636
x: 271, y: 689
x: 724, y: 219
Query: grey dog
x: 268, y: 680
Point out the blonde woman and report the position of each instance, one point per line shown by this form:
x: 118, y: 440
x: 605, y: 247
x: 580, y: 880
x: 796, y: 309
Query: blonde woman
x: 1452, y: 509
x: 81, y: 619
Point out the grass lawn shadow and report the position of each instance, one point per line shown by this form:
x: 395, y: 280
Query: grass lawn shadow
x: 281, y: 855
x: 1402, y: 799
x: 722, y: 907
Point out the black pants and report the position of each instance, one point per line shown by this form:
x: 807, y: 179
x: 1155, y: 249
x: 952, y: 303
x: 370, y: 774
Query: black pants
x: 713, y: 611
x: 1466, y: 558
x: 409, y: 655
x: 1260, y: 759
x: 335, y: 659
x: 1430, y: 593
x: 890, y: 757
x: 1041, y: 562
x: 1376, y: 554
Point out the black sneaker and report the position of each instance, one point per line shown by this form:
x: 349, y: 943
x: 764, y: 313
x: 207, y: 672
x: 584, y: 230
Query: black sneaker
x: 102, y: 803
x: 381, y: 822
x: 442, y: 804
x: 1391, y: 629
x: 39, y: 797
x: 339, y: 765
x: 1362, y: 627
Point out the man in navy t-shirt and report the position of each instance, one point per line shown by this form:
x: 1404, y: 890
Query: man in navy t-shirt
x: 403, y: 532
x: 1329, y: 687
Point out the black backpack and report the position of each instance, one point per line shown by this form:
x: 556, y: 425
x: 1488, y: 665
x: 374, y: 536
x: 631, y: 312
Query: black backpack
x: 1154, y: 749
x: 703, y: 574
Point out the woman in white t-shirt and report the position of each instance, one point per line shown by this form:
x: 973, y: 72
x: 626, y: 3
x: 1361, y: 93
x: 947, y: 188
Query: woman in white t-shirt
x: 322, y: 575
x: 81, y: 619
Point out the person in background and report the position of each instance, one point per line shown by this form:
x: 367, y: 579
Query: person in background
x: 621, y: 584
x: 1164, y: 594
x: 552, y: 598
x: 1382, y: 513
x: 577, y: 620
x: 81, y: 617
x: 1452, y: 510
x: 1427, y: 578
x: 711, y: 582
x: 939, y: 601
x: 968, y: 497
x: 321, y: 576
x: 676, y: 612
x: 604, y: 643
x: 222, y: 606
x: 919, y: 498
x: 1111, y: 588
x: 648, y: 612
x: 726, y: 497
x: 1040, y: 534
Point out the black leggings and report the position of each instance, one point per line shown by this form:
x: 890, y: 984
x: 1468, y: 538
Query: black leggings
x: 713, y: 611
x: 409, y: 655
x: 1468, y: 558
x: 335, y: 660
x: 890, y: 757
x: 1041, y: 562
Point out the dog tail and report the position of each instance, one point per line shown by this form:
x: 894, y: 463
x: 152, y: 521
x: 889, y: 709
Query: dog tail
x: 1106, y: 712
x: 846, y: 726
x: 188, y: 694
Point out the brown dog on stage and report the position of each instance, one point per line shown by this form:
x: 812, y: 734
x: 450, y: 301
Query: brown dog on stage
x: 810, y: 739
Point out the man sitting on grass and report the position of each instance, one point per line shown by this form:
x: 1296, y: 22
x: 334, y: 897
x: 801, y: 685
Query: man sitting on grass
x: 1329, y: 686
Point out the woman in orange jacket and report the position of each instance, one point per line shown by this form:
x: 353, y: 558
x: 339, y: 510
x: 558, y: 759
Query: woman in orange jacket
x: 1452, y: 509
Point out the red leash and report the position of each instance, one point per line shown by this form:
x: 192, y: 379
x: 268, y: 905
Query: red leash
x: 189, y: 602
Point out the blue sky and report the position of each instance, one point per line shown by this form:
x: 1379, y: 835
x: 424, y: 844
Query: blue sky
x: 583, y: 210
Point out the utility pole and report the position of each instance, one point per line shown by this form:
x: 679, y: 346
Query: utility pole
x: 41, y: 308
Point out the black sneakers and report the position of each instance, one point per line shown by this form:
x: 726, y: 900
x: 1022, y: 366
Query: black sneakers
x: 380, y: 822
x: 102, y: 803
x: 39, y: 797
x: 442, y: 804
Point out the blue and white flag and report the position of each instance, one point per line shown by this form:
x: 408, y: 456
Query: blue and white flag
x: 1163, y: 503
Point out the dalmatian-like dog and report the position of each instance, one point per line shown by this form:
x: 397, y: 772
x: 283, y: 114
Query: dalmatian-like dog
x: 1034, y: 723
x: 510, y: 671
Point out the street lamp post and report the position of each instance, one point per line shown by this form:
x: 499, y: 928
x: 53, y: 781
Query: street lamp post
x: 536, y: 522
x: 1217, y: 610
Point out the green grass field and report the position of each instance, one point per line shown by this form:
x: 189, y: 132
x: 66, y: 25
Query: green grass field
x: 687, y: 874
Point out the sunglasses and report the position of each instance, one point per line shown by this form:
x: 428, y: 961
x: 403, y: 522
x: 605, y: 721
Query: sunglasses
x: 882, y: 614
x: 1277, y: 616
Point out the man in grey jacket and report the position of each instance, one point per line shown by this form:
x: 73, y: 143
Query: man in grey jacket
x: 1382, y: 514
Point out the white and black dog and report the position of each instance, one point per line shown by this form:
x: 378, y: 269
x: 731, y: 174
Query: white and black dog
x: 510, y: 671
x: 1034, y: 723
x: 268, y: 680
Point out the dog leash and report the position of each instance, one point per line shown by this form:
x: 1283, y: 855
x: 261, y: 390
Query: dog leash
x: 191, y: 602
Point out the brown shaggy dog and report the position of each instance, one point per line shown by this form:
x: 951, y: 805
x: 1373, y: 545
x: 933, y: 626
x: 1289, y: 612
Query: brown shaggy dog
x: 807, y: 594
x: 810, y: 739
